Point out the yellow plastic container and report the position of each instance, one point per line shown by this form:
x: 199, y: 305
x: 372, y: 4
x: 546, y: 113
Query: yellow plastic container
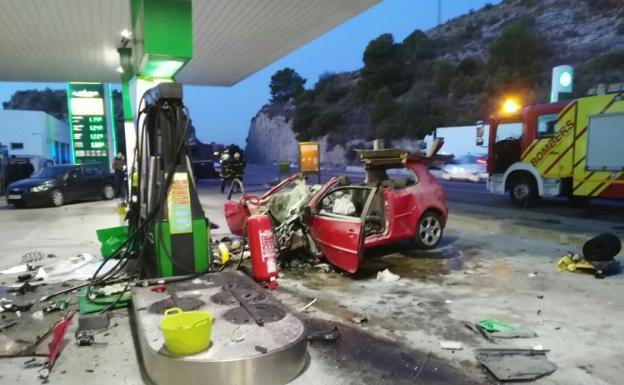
x: 186, y: 332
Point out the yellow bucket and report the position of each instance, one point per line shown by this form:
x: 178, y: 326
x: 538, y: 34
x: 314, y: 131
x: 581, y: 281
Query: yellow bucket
x: 186, y: 332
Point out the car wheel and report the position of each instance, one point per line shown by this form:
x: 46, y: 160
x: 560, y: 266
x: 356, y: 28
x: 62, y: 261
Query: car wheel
x: 108, y: 192
x: 19, y: 205
x: 428, y: 231
x: 523, y: 191
x: 57, y: 198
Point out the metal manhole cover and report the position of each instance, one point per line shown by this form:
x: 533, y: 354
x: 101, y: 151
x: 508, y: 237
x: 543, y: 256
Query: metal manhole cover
x: 268, y: 313
x: 247, y: 295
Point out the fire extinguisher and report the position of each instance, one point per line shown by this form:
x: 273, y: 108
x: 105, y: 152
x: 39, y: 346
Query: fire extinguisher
x: 262, y: 248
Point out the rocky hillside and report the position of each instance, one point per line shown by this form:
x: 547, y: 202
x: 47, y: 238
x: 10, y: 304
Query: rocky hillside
x: 456, y: 73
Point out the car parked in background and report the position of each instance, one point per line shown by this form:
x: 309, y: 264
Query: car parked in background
x: 339, y: 220
x: 466, y: 167
x: 57, y: 185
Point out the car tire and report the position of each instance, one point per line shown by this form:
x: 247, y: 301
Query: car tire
x: 108, y: 192
x: 57, y: 198
x: 429, y: 230
x: 523, y: 191
x: 19, y: 205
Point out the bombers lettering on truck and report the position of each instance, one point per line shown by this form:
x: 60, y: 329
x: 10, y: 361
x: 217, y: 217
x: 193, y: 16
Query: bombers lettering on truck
x: 552, y: 143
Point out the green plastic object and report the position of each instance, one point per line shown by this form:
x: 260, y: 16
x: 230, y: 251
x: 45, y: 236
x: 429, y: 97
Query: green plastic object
x: 493, y: 326
x: 111, y: 239
x: 88, y: 307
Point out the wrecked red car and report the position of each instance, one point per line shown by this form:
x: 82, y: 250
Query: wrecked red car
x: 399, y: 200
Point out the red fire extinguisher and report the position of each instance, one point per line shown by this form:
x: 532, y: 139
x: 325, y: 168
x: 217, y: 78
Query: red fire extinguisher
x: 262, y: 248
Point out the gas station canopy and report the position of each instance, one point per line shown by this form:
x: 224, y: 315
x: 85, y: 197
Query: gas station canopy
x: 77, y: 40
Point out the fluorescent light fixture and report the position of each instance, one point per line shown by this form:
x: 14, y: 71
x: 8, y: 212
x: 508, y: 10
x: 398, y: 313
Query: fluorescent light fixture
x: 161, y: 68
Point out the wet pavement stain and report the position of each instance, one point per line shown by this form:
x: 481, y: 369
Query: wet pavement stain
x: 374, y: 361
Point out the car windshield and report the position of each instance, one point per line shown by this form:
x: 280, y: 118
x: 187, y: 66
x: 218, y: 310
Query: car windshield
x: 50, y: 172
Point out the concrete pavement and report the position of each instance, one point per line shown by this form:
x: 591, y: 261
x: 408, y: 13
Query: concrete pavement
x: 491, y: 264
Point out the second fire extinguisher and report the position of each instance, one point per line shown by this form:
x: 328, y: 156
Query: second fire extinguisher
x: 262, y: 249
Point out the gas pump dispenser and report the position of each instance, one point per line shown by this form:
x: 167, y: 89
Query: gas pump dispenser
x: 165, y: 207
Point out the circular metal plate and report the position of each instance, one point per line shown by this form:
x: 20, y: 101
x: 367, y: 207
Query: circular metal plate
x: 267, y: 313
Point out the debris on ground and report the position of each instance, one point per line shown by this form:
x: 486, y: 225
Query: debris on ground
x: 261, y: 349
x: 451, y: 345
x: 533, y: 275
x: 499, y: 329
x: 97, y: 321
x: 325, y: 335
x: 32, y: 256
x: 516, y: 364
x: 387, y: 276
x: 309, y: 304
x: 575, y: 263
x: 358, y: 319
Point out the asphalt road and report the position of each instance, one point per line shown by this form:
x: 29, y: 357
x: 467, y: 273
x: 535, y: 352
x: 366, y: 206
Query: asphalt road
x: 258, y: 176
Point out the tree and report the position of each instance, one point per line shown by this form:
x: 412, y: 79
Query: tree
x: 286, y: 84
x: 418, y: 46
x: 517, y: 54
x: 384, y: 66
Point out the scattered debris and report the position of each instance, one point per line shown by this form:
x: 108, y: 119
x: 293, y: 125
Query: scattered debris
x: 41, y: 275
x: 24, y: 277
x: 261, y: 349
x: 516, y: 364
x: 38, y: 315
x: 32, y: 256
x: 309, y: 304
x: 16, y: 269
x: 387, y: 276
x: 448, y: 301
x: 325, y: 267
x: 540, y: 297
x: 358, y: 319
x: 237, y: 335
x: 469, y: 272
x: 57, y: 306
x: 451, y: 345
x: 499, y: 329
x: 85, y: 338
x: 325, y: 335
x: 96, y: 321
x: 533, y: 275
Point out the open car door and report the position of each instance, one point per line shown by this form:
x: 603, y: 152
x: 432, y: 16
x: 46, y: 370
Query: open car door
x: 338, y: 225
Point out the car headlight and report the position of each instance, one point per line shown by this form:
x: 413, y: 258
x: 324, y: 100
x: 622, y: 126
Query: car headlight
x: 43, y: 187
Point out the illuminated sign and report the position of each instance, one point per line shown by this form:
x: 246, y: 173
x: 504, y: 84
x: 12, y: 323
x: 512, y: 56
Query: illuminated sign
x: 309, y: 158
x: 87, y: 122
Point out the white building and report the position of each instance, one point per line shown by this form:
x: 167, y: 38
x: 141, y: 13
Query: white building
x: 35, y: 135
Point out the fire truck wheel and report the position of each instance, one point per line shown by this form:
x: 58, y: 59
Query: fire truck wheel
x: 523, y: 191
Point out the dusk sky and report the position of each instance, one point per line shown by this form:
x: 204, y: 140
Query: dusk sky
x: 222, y: 114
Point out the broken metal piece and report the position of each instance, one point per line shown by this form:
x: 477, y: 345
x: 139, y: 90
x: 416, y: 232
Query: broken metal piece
x: 325, y: 335
x: 451, y: 345
x: 516, y: 364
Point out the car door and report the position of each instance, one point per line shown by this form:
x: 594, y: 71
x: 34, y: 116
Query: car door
x: 93, y: 181
x: 74, y: 183
x: 338, y: 223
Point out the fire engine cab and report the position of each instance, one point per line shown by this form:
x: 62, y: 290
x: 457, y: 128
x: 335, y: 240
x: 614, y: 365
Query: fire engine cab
x: 572, y: 148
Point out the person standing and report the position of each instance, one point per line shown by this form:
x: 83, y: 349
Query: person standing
x: 12, y: 170
x: 226, y: 170
x: 29, y: 169
x: 119, y: 168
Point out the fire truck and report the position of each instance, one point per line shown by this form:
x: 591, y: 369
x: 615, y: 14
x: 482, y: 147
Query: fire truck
x: 571, y: 148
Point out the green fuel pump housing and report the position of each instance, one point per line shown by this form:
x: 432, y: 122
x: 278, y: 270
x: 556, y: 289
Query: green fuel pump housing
x: 167, y: 198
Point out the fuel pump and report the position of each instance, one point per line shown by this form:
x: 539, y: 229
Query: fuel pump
x: 165, y: 207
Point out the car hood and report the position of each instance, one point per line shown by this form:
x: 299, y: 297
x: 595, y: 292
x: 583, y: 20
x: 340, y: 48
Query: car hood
x: 30, y: 182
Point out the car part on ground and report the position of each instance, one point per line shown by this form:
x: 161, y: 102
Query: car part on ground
x: 516, y: 364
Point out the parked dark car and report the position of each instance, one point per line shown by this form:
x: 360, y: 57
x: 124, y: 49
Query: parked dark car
x: 60, y: 184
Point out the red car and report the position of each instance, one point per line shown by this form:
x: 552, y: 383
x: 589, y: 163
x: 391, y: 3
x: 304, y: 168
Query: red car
x: 399, y: 200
